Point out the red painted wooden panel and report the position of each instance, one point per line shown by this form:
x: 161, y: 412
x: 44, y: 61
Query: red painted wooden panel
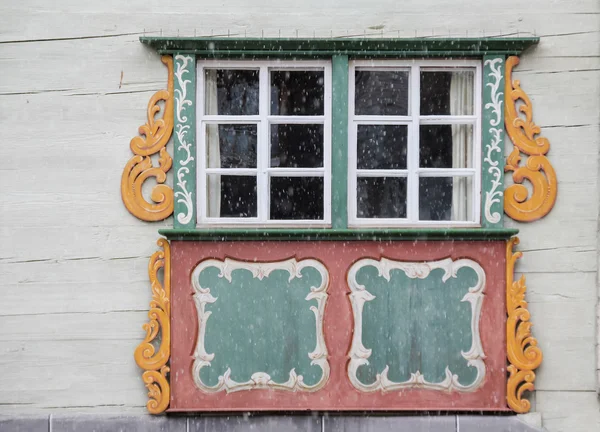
x: 338, y: 394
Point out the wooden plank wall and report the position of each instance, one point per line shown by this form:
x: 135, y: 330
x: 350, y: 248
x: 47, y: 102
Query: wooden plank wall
x: 74, y: 84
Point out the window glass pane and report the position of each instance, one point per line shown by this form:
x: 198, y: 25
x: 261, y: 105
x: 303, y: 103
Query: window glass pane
x: 297, y: 92
x: 446, y: 146
x: 447, y: 93
x: 296, y: 145
x: 231, y: 92
x: 381, y: 197
x: 231, y: 146
x: 381, y: 146
x: 296, y: 198
x: 231, y: 196
x: 445, y: 198
x: 381, y: 92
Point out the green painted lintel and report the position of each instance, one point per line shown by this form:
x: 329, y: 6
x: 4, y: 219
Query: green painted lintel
x: 354, y: 47
x: 322, y: 234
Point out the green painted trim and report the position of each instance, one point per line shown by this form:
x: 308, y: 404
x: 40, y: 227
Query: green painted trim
x: 314, y: 234
x: 492, y: 143
x: 339, y: 142
x: 184, y: 135
x: 359, y: 48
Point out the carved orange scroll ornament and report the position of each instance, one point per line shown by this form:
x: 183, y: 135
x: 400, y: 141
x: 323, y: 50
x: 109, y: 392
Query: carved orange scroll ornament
x: 523, y: 353
x: 148, y: 356
x: 157, y: 132
x: 519, y: 204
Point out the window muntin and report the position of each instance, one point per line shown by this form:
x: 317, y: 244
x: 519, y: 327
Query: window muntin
x: 414, y: 158
x: 264, y: 153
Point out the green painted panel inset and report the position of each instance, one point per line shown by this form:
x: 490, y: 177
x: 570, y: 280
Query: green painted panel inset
x: 339, y: 142
x: 420, y: 322
x: 492, y: 143
x: 261, y: 322
x: 184, y: 133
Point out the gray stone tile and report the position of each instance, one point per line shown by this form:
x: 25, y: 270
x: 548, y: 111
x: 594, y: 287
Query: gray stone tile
x: 24, y: 424
x: 493, y: 424
x: 256, y: 423
x: 390, y: 424
x: 115, y: 423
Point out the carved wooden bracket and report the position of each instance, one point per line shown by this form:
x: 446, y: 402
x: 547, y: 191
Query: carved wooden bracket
x: 147, y: 356
x: 157, y: 133
x: 523, y: 353
x: 518, y: 203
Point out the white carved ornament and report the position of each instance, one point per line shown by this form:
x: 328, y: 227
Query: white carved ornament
x: 359, y: 355
x: 259, y: 379
x: 183, y: 195
x: 494, y: 193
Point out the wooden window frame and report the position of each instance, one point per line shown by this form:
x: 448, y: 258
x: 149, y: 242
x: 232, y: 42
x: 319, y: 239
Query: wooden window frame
x: 263, y: 121
x: 413, y: 120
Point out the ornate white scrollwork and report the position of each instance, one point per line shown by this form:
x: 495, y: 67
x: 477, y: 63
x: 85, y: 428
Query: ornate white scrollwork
x: 359, y: 355
x: 259, y: 379
x: 183, y: 195
x: 494, y: 193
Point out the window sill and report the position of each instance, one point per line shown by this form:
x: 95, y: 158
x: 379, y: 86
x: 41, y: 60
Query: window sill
x: 267, y: 234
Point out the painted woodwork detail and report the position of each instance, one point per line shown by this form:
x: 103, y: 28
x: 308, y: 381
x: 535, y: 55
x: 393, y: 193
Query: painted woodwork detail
x: 260, y: 271
x: 359, y: 354
x: 148, y: 356
x: 493, y: 140
x: 185, y: 167
x: 523, y: 353
x: 155, y: 135
x: 519, y: 204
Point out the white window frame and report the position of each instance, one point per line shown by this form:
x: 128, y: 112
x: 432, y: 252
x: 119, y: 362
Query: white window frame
x: 263, y: 121
x: 413, y: 120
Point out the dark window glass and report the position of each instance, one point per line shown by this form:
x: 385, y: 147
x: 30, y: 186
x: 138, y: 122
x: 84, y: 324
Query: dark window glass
x: 238, y: 196
x: 236, y: 146
x: 296, y: 145
x: 381, y: 146
x: 381, y: 197
x: 447, y: 93
x: 296, y: 198
x: 445, y: 198
x: 231, y: 92
x: 297, y: 92
x: 381, y: 92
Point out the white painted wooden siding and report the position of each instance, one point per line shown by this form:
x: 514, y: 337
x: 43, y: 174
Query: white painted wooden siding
x: 73, y: 290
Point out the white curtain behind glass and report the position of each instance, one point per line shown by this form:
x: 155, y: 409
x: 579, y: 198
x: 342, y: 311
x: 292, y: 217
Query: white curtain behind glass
x: 213, y: 159
x: 461, y: 103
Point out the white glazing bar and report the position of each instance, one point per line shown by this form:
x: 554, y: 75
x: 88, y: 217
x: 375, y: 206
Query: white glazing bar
x: 227, y: 119
x: 263, y: 150
x: 232, y: 171
x: 295, y: 172
x: 442, y: 120
x: 296, y: 119
x: 413, y: 147
x: 446, y: 172
x: 381, y: 173
x: 201, y: 148
x: 327, y: 164
x: 477, y: 104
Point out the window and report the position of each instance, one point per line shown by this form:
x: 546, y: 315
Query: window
x: 264, y: 132
x: 414, y: 143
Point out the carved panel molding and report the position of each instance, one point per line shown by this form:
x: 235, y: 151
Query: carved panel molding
x: 359, y: 355
x: 260, y: 270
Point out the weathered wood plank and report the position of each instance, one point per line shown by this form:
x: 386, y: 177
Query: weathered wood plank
x: 575, y: 411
